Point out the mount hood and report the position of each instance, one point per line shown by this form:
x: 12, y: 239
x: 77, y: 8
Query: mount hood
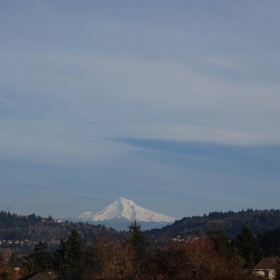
x: 124, y: 210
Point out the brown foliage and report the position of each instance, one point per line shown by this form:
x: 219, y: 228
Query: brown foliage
x: 196, y: 260
x: 112, y: 259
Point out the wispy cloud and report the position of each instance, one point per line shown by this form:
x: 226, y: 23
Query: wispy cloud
x: 190, y: 89
x: 255, y: 161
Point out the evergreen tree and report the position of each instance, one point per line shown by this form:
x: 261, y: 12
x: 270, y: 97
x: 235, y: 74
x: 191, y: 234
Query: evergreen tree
x: 226, y: 249
x: 139, y: 243
x: 41, y: 257
x: 69, y: 258
x: 248, y: 247
x: 75, y: 254
x: 220, y: 241
x: 60, y: 260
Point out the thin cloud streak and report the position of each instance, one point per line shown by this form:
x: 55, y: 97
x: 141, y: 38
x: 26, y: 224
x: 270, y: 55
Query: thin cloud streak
x: 188, y: 91
x: 256, y: 161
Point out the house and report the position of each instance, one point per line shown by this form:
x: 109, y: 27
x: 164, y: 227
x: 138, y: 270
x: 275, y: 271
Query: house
x: 267, y: 267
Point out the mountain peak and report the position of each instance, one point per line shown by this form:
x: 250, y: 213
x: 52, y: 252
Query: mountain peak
x: 125, y: 209
x: 123, y: 200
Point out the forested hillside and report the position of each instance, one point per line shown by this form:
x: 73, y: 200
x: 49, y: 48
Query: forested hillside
x: 18, y: 228
x: 206, y: 246
x: 134, y: 257
x: 33, y: 227
x: 231, y: 222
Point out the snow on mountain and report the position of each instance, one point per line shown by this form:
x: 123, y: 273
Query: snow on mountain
x: 125, y: 209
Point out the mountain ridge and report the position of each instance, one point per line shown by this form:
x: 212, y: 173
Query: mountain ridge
x: 125, y: 210
x: 230, y: 222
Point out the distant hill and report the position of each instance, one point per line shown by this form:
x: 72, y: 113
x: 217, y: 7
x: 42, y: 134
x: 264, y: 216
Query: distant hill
x: 34, y: 228
x: 231, y: 222
x: 14, y: 227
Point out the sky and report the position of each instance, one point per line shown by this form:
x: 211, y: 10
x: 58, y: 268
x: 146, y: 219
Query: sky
x: 173, y: 104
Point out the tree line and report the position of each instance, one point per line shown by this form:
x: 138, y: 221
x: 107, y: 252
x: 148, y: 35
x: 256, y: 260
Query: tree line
x: 15, y: 227
x: 259, y: 221
x: 212, y: 257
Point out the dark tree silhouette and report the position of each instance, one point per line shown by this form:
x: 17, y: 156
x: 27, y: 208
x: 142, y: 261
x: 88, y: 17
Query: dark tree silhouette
x: 69, y: 258
x: 249, y: 248
x: 139, y: 243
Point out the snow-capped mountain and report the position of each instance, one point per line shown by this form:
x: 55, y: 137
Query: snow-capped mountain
x: 124, y: 210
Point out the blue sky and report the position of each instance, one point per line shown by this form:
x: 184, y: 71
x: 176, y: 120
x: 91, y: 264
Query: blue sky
x: 174, y: 104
